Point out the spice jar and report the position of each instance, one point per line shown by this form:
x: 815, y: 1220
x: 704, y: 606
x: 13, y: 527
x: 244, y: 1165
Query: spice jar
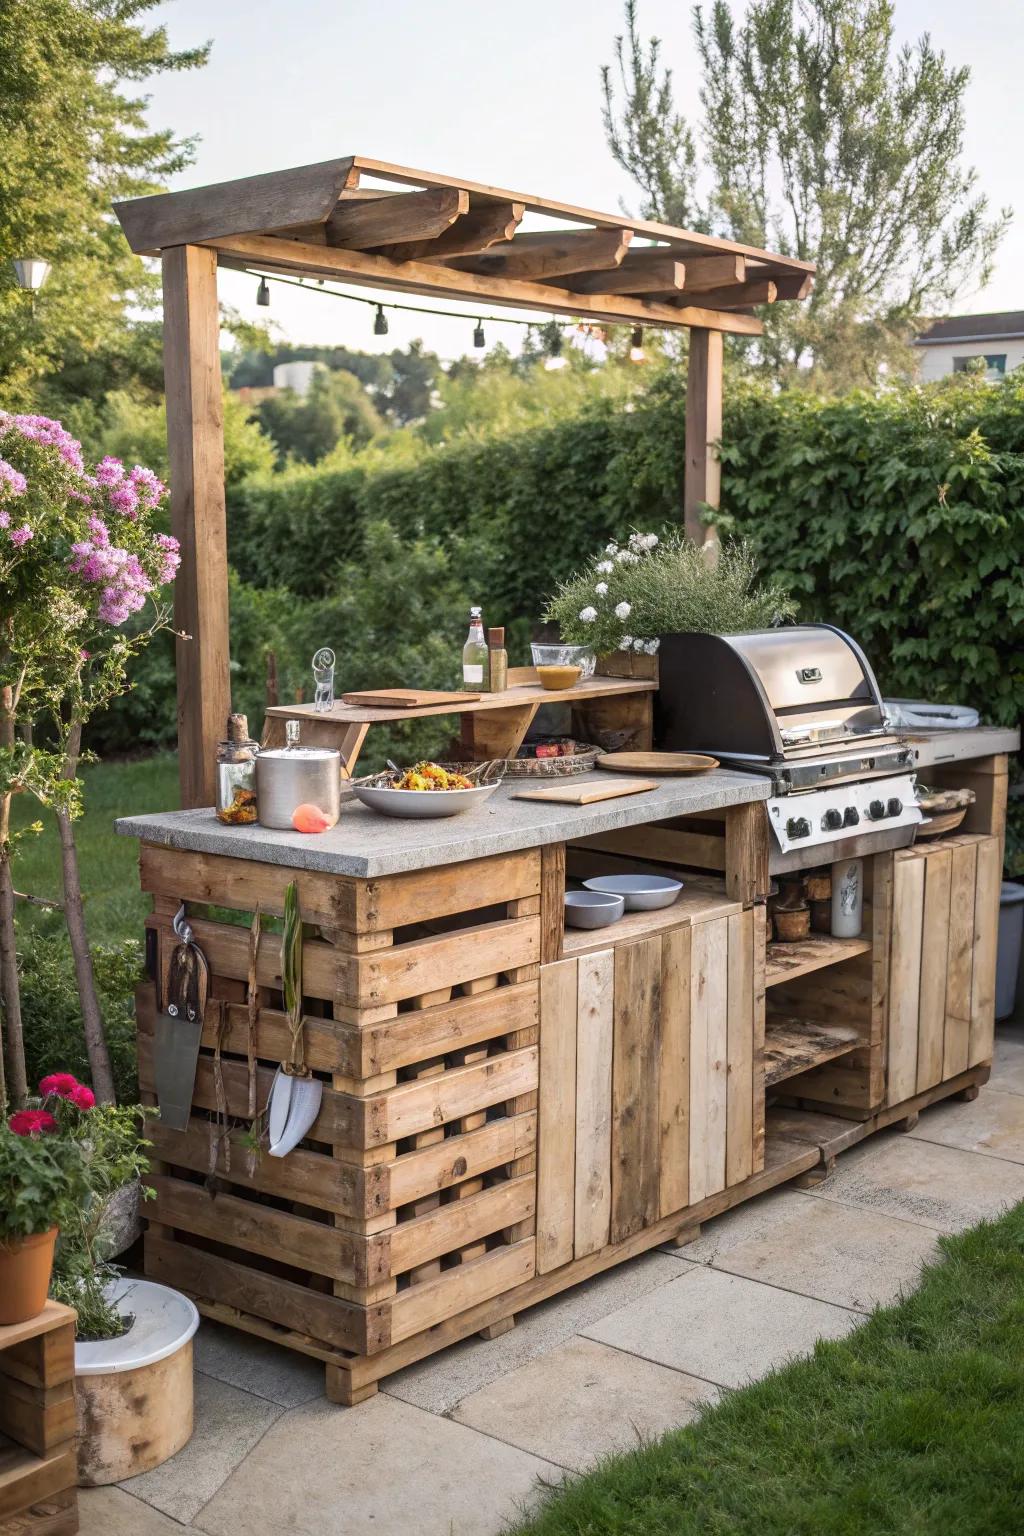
x: 236, y: 774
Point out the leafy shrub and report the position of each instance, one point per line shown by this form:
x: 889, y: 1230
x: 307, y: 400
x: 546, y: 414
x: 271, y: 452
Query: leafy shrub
x: 52, y: 1016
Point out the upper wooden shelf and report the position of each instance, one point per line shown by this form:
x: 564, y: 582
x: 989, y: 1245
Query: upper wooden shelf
x: 787, y: 961
x: 699, y: 901
x: 525, y: 694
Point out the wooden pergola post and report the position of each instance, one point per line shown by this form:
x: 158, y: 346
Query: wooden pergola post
x: 195, y: 446
x: 702, y: 483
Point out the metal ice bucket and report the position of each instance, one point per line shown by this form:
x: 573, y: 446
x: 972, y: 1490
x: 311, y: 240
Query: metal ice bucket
x: 288, y: 777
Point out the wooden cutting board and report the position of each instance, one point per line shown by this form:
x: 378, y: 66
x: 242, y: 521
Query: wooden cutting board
x: 657, y: 762
x: 585, y: 794
x: 407, y: 698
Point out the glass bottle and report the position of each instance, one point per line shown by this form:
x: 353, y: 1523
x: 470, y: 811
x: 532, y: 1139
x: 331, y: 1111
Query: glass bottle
x: 497, y: 658
x: 474, y: 653
x: 236, y: 774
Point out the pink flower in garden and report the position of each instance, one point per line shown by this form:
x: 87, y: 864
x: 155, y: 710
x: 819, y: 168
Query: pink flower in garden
x: 61, y: 1084
x: 20, y: 535
x: 125, y: 498
x: 12, y: 481
x: 31, y: 1122
x: 149, y: 486
x: 40, y: 429
x: 5, y: 519
x: 100, y: 532
x: 170, y: 556
x: 109, y: 471
x: 82, y: 1097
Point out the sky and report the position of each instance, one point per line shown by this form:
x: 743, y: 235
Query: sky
x: 504, y: 94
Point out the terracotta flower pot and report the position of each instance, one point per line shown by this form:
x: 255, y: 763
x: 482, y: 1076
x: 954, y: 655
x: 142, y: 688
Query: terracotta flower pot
x: 25, y: 1265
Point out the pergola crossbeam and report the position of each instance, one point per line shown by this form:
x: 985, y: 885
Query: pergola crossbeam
x: 359, y: 225
x: 553, y: 255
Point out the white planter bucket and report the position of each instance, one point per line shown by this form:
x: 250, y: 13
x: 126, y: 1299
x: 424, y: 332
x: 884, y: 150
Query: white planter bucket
x: 134, y: 1394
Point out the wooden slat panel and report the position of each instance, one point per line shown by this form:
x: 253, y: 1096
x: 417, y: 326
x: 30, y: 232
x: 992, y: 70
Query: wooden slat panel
x: 419, y: 895
x: 740, y: 1061
x: 424, y: 965
x: 934, y: 958
x: 556, y: 1158
x: 420, y: 1106
x: 905, y: 976
x: 674, y: 1071
x: 226, y: 947
x: 445, y: 1027
x: 708, y: 1045
x: 423, y: 1306
x: 26, y: 1480
x: 460, y: 1157
x: 986, y: 931
x: 759, y: 924
x: 635, y: 1094
x: 256, y: 1228
x: 240, y: 883
x: 956, y: 1050
x: 40, y: 1419
x: 453, y: 1225
x: 594, y: 1044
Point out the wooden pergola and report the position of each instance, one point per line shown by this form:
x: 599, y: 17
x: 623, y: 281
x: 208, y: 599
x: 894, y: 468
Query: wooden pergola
x: 384, y: 226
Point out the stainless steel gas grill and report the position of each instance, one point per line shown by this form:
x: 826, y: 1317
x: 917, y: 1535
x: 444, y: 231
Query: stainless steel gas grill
x: 801, y: 705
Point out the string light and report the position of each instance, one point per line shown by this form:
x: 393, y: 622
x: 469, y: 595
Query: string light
x: 554, y: 359
x: 380, y: 324
x: 263, y: 293
x: 478, y: 335
x: 636, y: 346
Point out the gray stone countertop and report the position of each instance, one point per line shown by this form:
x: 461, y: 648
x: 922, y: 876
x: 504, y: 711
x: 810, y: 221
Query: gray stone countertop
x: 367, y: 845
x: 934, y: 747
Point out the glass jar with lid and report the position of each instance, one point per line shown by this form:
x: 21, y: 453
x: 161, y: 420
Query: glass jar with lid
x: 236, y: 774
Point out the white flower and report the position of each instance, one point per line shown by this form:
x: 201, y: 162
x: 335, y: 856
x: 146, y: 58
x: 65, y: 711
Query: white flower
x: 626, y: 643
x: 605, y: 566
x: 601, y: 589
x: 651, y: 647
x: 638, y: 646
x: 626, y: 557
x: 588, y: 615
x: 623, y: 610
x: 636, y: 538
x: 611, y: 549
x: 649, y: 540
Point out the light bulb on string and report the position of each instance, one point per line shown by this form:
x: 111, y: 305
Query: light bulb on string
x: 263, y: 293
x: 380, y: 324
x: 554, y: 359
x: 636, y: 346
x: 479, y: 339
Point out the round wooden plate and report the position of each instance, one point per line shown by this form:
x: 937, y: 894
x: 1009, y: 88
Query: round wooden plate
x: 657, y: 762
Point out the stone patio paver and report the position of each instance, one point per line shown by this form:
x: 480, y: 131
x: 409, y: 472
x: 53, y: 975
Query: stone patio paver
x: 256, y: 1365
x: 583, y: 1401
x: 228, y: 1423
x: 723, y: 1328
x: 1008, y: 1066
x: 113, y: 1512
x: 842, y: 1254
x: 939, y: 1187
x: 383, y: 1467
x: 444, y: 1379
x: 993, y: 1125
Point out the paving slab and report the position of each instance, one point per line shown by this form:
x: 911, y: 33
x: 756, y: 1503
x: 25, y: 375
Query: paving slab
x: 993, y: 1124
x: 584, y: 1401
x: 255, y: 1365
x: 228, y: 1423
x: 114, y: 1512
x: 441, y: 1381
x: 1008, y: 1064
x: 940, y: 1187
x: 382, y: 1467
x: 845, y: 1255
x: 723, y: 1328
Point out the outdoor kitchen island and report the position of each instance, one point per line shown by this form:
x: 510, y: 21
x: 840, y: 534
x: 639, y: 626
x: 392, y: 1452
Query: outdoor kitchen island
x: 509, y: 1108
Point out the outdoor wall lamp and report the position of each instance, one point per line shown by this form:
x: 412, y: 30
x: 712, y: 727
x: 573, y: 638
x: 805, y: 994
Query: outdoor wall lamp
x: 31, y: 272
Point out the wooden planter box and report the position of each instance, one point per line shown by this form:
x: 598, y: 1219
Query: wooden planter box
x: 627, y: 664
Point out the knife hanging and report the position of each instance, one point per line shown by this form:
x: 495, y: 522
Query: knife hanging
x: 179, y: 1027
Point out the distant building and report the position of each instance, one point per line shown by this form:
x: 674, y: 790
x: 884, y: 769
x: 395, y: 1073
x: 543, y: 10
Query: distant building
x: 954, y: 345
x: 295, y: 376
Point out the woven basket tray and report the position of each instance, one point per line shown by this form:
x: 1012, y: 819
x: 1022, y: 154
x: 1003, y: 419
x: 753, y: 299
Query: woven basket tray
x: 581, y: 761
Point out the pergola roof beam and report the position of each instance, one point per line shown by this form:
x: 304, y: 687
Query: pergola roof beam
x: 406, y: 216
x: 551, y: 254
x: 476, y: 231
x: 664, y: 275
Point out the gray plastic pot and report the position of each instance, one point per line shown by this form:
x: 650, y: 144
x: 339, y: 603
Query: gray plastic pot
x: 1011, y: 925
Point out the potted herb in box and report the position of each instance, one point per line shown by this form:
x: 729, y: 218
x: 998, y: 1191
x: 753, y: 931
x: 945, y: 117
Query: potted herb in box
x: 40, y: 1181
x: 626, y: 598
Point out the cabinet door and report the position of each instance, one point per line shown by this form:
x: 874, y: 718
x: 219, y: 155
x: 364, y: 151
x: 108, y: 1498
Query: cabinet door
x: 941, y: 994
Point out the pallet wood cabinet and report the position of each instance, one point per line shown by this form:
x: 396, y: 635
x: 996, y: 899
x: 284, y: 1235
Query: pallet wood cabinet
x: 38, y: 1427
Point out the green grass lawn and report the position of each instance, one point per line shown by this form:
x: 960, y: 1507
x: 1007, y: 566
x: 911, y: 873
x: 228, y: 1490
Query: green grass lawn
x: 115, y: 907
x: 914, y: 1424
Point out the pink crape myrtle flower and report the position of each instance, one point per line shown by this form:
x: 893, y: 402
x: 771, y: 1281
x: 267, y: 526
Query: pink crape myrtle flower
x: 12, y: 481
x: 149, y: 488
x: 40, y: 429
x: 170, y: 551
x: 109, y: 471
x: 20, y: 535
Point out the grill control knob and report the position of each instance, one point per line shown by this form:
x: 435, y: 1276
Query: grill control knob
x: 832, y: 820
x: 894, y: 806
x: 798, y: 826
x: 851, y: 816
x: 876, y: 810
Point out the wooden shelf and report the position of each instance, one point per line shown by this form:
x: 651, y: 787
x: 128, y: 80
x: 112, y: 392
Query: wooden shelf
x: 695, y: 904
x: 787, y: 961
x: 793, y: 1045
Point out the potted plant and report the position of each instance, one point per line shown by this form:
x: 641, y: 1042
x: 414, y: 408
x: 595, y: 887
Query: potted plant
x: 626, y: 598
x: 41, y: 1179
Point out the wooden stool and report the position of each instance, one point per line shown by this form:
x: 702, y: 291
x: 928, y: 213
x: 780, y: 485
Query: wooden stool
x: 38, y: 1429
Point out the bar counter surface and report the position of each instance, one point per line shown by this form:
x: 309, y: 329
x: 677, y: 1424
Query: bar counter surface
x: 509, y: 1108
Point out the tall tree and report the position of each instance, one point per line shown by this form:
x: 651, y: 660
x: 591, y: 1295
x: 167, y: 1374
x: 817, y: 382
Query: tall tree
x: 821, y: 139
x: 73, y: 141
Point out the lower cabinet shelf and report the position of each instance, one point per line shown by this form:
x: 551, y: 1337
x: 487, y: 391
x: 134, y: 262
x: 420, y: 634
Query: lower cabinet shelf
x: 785, y: 962
x: 792, y: 1046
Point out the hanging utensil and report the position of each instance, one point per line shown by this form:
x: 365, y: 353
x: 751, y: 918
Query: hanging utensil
x: 323, y: 677
x: 179, y: 1028
x: 295, y: 1094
